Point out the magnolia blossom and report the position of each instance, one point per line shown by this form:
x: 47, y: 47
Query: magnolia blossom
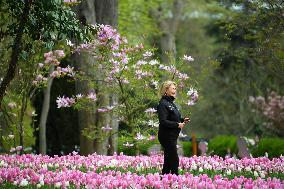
x: 155, y: 84
x: 125, y: 81
x: 59, y: 53
x: 150, y: 110
x: 64, y: 102
x: 12, y: 105
x: 107, y: 128
x: 92, y: 96
x: 117, y: 54
x: 128, y: 144
x: 183, y: 76
x: 272, y: 108
x: 153, y: 62
x: 103, y: 110
x: 110, y: 107
x: 50, y: 58
x: 11, y: 136
x: 12, y: 150
x: 60, y: 72
x: 79, y: 96
x: 139, y: 136
x: 188, y: 58
x: 125, y: 59
x: 171, y: 69
x: 69, y: 43
x: 19, y: 148
x: 70, y: 1
x: 152, y: 137
x: 147, y: 54
x: 40, y: 79
x: 153, y: 123
x: 40, y: 65
x: 190, y: 103
x: 193, y: 94
x: 141, y: 62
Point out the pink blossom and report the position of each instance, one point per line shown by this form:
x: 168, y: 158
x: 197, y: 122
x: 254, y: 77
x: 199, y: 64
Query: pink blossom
x: 12, y: 150
x: 59, y: 53
x: 139, y: 136
x: 64, y: 102
x: 102, y: 110
x: 128, y: 144
x: 40, y: 65
x: 12, y: 105
x: 150, y: 110
x: 147, y: 54
x: 79, y: 96
x: 183, y: 76
x: 19, y: 148
x: 92, y: 96
x: 188, y: 58
x: 152, y: 137
x: 190, y: 103
x: 107, y: 128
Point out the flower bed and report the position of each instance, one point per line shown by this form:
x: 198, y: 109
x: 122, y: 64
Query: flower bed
x: 96, y: 171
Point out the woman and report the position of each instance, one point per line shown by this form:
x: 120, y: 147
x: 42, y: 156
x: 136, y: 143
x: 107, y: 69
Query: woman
x: 170, y: 124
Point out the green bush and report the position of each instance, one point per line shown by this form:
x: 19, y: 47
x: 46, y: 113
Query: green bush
x: 187, y: 148
x: 273, y: 146
x: 131, y: 151
x: 219, y: 145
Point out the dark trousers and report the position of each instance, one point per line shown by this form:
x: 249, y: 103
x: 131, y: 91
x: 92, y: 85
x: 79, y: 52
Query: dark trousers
x: 171, y: 160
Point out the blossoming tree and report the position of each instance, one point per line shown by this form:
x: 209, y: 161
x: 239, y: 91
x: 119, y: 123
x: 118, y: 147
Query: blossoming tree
x: 134, y: 75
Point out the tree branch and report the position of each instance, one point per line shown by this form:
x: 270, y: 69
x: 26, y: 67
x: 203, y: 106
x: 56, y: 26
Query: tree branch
x: 16, y: 49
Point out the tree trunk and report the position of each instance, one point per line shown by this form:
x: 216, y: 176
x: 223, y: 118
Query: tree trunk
x: 92, y: 12
x: 44, y: 115
x: 16, y: 50
x: 168, y: 26
x: 21, y: 119
x: 107, y: 14
x: 102, y: 120
x: 113, y: 139
x: 86, y: 118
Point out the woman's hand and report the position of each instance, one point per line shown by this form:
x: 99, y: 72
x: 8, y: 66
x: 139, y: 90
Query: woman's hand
x: 181, y: 125
x: 186, y: 120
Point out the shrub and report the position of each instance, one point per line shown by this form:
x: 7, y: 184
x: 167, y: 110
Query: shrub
x: 187, y: 148
x: 131, y: 151
x: 273, y: 146
x: 219, y: 145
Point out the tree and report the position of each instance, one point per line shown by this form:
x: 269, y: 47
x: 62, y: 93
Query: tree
x: 95, y: 12
x: 29, y: 44
x: 34, y: 15
x: 131, y: 74
x: 247, y: 64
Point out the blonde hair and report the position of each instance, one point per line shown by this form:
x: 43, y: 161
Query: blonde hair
x: 165, y: 86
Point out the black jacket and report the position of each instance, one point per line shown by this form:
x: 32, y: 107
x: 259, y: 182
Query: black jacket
x: 169, y: 117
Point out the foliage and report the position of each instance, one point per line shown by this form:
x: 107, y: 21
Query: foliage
x: 129, y: 150
x: 272, y: 146
x: 49, y: 25
x: 223, y: 145
x: 135, y: 21
x: 252, y: 48
x: 187, y: 148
